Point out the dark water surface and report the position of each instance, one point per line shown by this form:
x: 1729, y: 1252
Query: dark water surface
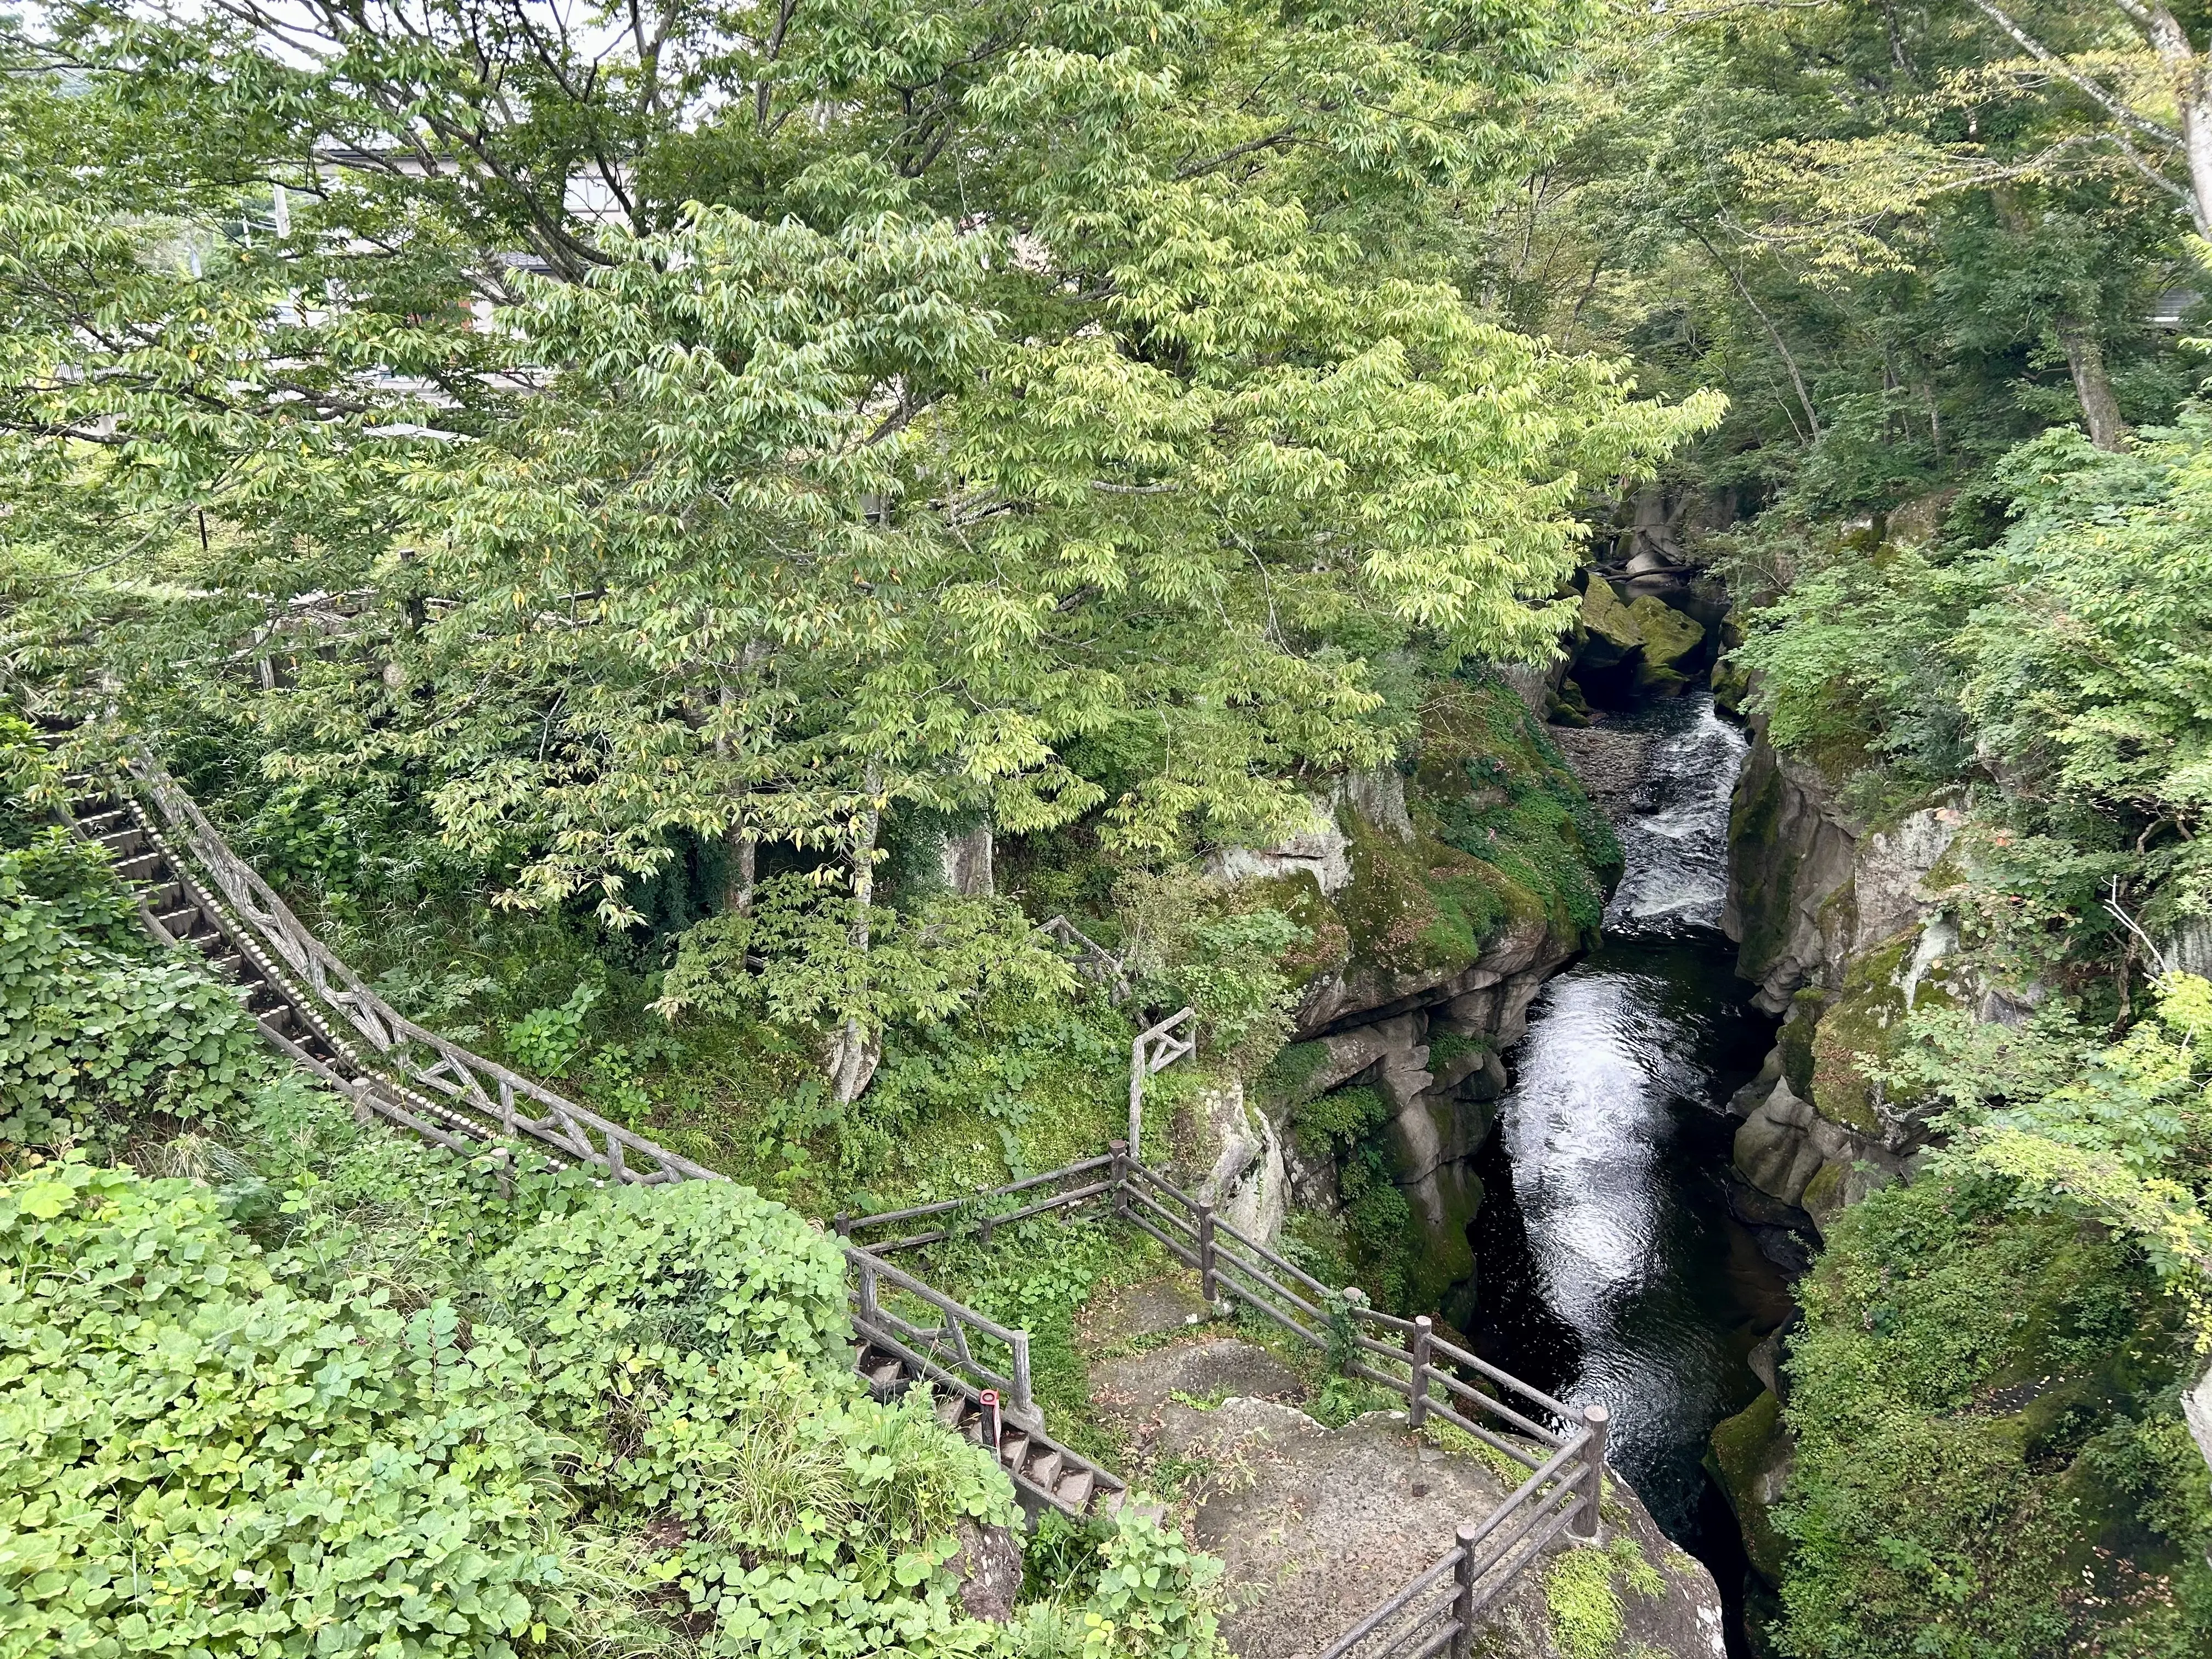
x: 1607, y: 1264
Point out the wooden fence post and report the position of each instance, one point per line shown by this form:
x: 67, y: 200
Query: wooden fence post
x: 1462, y: 1642
x: 1137, y: 1097
x: 1024, y: 1410
x: 868, y: 1291
x: 1593, y: 1477
x: 1206, y: 1285
x: 1416, y: 1397
x: 1120, y: 1151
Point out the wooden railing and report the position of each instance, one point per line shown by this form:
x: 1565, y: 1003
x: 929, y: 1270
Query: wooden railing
x: 1092, y: 960
x: 945, y: 1348
x: 480, y: 1100
x: 1562, y: 1446
x: 1486, y: 1558
x: 977, y: 1214
x: 1437, y: 1378
x: 1154, y: 1050
x: 503, y: 1104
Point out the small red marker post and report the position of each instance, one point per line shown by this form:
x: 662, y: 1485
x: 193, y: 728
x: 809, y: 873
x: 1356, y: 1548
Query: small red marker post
x: 991, y: 1431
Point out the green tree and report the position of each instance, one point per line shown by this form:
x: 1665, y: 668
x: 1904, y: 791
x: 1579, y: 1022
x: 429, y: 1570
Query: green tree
x: 1029, y: 412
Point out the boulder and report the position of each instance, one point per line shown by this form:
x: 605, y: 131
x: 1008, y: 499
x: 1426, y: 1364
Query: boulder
x: 1613, y: 633
x: 1669, y: 640
x: 1751, y: 1456
x: 1247, y: 1183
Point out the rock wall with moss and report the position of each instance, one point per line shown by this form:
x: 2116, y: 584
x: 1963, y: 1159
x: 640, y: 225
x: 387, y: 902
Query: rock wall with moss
x: 1440, y: 896
x: 1841, y: 927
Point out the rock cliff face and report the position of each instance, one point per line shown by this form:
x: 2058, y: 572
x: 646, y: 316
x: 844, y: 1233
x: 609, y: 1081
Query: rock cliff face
x: 1440, y: 896
x: 1842, y: 927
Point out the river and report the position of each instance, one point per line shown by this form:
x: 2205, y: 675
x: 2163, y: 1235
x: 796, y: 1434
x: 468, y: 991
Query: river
x: 1608, y: 1266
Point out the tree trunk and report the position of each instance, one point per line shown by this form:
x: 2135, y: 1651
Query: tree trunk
x: 737, y: 887
x: 2193, y: 97
x: 2085, y: 359
x: 744, y: 845
x: 855, y: 1049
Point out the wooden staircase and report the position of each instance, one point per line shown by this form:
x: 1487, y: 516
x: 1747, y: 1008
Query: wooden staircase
x: 177, y: 908
x: 1045, y: 1473
x: 175, y: 911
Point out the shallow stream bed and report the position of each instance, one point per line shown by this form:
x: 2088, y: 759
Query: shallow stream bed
x: 1608, y: 1266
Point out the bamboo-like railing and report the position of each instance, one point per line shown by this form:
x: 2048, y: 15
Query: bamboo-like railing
x: 478, y: 1101
x: 504, y: 1105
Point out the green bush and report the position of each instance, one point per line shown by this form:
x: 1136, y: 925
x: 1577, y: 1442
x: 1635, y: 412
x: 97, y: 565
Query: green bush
x: 92, y: 1021
x: 676, y: 1280
x: 200, y: 1459
x: 1986, y: 1409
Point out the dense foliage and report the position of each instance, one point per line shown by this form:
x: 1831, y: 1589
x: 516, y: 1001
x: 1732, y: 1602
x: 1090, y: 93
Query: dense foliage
x: 618, y: 513
x: 413, y: 1414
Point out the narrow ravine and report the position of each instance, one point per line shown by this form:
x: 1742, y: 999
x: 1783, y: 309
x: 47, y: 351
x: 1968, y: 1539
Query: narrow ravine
x: 1608, y: 1265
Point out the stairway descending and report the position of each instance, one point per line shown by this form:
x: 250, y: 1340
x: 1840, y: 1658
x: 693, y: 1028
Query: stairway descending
x: 1044, y: 1472
x: 176, y: 908
x: 177, y: 912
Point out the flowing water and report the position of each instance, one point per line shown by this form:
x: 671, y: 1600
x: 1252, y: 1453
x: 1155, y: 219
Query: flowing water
x: 1608, y: 1265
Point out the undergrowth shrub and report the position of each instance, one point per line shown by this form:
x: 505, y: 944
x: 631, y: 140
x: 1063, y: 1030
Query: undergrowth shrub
x: 202, y: 1459
x: 1986, y: 1406
x: 214, y: 1447
x: 703, y: 1270
x: 93, y: 1021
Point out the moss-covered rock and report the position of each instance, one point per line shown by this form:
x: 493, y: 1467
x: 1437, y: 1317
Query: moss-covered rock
x: 1614, y: 633
x: 1751, y: 1457
x: 1794, y: 1042
x: 1866, y: 1027
x: 1731, y: 685
x: 1669, y: 640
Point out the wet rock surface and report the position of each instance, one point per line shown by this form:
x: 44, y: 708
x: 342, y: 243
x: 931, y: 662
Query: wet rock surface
x: 1609, y: 760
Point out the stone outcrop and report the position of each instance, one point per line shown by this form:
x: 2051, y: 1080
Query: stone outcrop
x: 1316, y: 1525
x: 1753, y: 1453
x: 1811, y: 886
x: 1249, y: 1180
x: 1437, y: 897
x: 1638, y: 645
x: 1842, y: 927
